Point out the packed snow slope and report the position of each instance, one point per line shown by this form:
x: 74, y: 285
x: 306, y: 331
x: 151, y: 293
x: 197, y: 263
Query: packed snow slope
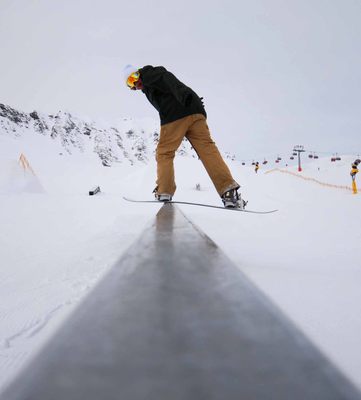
x: 56, y: 242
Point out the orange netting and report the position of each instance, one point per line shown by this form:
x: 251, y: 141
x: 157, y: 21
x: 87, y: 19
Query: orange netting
x: 310, y: 179
x: 25, y: 164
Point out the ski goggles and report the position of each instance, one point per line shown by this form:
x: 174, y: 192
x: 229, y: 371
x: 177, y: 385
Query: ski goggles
x: 132, y: 78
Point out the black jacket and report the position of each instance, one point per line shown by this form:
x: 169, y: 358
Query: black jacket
x: 172, y: 99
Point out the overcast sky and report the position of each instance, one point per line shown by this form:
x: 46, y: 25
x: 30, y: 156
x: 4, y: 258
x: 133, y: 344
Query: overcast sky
x: 273, y: 73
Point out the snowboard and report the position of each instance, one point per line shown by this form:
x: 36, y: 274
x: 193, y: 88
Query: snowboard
x: 199, y: 205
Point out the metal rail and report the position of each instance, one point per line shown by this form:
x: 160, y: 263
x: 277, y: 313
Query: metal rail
x: 175, y: 320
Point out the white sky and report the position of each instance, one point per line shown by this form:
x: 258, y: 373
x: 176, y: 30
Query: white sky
x: 273, y: 73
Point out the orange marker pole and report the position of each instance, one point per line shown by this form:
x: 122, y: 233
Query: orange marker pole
x: 354, y: 186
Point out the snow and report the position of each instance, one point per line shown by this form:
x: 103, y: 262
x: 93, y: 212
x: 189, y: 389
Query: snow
x: 305, y: 257
x: 55, y: 245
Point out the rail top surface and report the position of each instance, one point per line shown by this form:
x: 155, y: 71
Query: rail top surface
x: 174, y: 319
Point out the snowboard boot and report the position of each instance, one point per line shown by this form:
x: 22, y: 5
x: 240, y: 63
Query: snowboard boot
x: 162, y: 196
x: 232, y: 199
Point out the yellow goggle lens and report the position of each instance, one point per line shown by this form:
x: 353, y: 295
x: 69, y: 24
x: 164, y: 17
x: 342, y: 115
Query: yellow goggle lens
x: 132, y: 79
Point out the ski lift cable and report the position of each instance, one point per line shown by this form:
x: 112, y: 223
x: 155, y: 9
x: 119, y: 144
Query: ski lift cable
x: 286, y: 155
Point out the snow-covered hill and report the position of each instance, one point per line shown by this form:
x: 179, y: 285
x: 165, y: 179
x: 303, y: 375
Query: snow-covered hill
x: 129, y: 141
x: 56, y: 242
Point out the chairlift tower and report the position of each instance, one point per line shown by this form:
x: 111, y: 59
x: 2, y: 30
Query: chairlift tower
x: 299, y: 149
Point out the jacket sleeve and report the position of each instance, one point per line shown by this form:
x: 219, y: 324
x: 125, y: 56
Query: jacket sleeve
x: 164, y: 81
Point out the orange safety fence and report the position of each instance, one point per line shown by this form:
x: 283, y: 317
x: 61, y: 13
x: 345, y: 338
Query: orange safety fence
x: 25, y: 164
x: 309, y: 179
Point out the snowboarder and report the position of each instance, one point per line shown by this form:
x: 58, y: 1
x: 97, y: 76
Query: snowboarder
x: 256, y: 168
x: 354, y: 171
x: 354, y: 168
x: 182, y: 114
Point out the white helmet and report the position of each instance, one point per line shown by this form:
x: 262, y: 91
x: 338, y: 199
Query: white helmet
x: 129, y: 70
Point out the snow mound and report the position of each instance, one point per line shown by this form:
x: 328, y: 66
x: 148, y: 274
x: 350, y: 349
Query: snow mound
x: 17, y: 176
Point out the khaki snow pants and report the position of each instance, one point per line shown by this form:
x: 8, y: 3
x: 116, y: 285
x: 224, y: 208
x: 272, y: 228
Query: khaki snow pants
x: 195, y: 129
